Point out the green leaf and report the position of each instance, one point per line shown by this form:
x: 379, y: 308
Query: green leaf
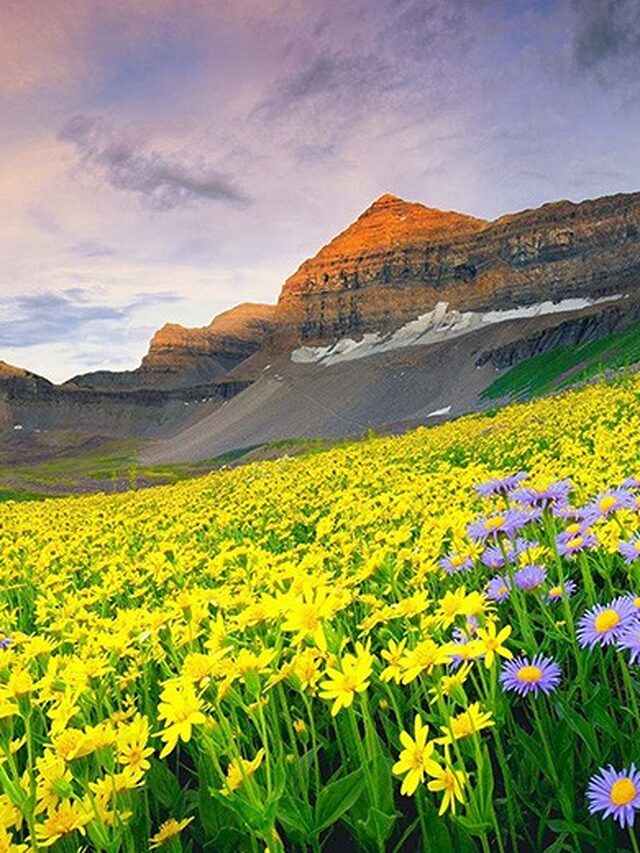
x: 296, y: 816
x: 163, y: 784
x: 338, y: 797
x: 581, y: 727
x: 378, y: 825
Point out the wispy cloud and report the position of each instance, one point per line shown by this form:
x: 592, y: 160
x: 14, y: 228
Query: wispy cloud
x: 57, y: 317
x: 163, y: 182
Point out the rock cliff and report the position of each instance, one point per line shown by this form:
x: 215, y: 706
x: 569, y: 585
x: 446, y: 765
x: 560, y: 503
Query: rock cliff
x: 400, y: 259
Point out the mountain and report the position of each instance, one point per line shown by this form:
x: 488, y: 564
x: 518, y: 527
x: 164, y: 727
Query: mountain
x: 399, y: 260
x: 407, y: 316
x: 180, y: 357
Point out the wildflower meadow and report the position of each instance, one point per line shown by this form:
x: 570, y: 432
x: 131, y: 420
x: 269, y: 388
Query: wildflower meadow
x: 425, y: 642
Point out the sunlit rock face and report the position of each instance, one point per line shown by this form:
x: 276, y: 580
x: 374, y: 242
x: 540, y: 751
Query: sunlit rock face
x: 400, y: 259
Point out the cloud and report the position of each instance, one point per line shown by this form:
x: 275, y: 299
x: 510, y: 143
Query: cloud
x: 164, y: 182
x: 605, y: 30
x: 57, y: 317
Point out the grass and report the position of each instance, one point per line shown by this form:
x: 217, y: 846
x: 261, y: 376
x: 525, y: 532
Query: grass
x: 565, y: 366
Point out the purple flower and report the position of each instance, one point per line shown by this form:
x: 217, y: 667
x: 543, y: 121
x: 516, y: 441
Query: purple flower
x: 559, y: 591
x: 498, y: 588
x: 508, y: 523
x: 609, y: 502
x: 524, y: 676
x: 493, y: 558
x: 456, y: 563
x: 630, y: 483
x: 501, y: 485
x: 630, y: 550
x: 555, y: 493
x: 463, y: 635
x: 522, y: 545
x: 604, y: 624
x: 631, y: 640
x: 5, y: 642
x: 570, y: 543
x: 530, y: 577
x: 615, y: 793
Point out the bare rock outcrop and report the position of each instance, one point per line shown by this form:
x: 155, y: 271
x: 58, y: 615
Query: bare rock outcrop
x: 400, y: 259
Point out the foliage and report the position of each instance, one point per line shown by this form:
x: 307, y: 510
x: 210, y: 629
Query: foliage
x: 305, y: 652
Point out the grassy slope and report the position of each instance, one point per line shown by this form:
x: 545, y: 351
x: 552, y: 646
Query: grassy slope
x: 565, y: 366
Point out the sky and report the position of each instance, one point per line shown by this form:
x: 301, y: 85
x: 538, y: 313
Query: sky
x: 163, y: 160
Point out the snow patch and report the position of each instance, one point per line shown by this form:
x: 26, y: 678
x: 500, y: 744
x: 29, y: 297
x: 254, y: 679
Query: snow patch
x: 437, y: 412
x: 433, y: 327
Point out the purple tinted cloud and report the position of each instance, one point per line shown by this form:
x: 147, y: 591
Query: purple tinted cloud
x: 163, y: 182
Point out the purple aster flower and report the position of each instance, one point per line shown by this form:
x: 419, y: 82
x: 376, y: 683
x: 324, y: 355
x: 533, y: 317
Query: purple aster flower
x: 456, y: 563
x: 530, y: 577
x: 630, y: 550
x: 508, y: 523
x: 498, y: 588
x: 522, y: 545
x: 568, y: 512
x: 555, y: 493
x: 615, y: 793
x: 604, y: 624
x: 493, y: 558
x: 463, y: 635
x: 631, y: 640
x: 561, y: 590
x: 501, y: 485
x: 609, y: 502
x: 630, y: 483
x: 5, y: 642
x: 524, y: 676
x: 570, y: 543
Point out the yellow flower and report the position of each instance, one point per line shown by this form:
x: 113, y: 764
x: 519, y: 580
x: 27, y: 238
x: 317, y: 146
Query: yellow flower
x: 168, y: 830
x: 353, y: 677
x: 415, y: 759
x: 305, y: 616
x: 68, y: 817
x: 20, y: 683
x: 426, y: 655
x: 451, y: 783
x: 8, y: 845
x: 10, y: 814
x: 466, y: 724
x: 451, y: 685
x: 240, y: 769
x: 492, y: 643
x: 393, y: 656
x: 181, y: 709
x: 131, y: 744
x: 451, y: 605
x: 53, y: 782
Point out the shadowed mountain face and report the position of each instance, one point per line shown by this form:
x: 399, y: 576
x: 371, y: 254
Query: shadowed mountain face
x: 399, y: 260
x: 484, y: 294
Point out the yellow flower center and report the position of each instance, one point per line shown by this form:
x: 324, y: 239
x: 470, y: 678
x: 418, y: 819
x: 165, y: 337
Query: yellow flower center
x: 606, y: 621
x: 494, y: 523
x: 555, y: 590
x: 576, y: 542
x: 530, y: 674
x: 623, y: 791
x: 573, y: 528
x: 608, y: 502
x: 503, y: 590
